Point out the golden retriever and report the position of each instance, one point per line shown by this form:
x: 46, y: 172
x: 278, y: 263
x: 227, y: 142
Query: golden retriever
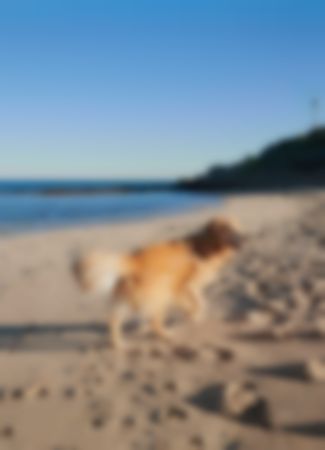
x: 152, y: 280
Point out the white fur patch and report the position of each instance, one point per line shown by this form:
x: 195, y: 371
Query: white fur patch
x: 106, y: 282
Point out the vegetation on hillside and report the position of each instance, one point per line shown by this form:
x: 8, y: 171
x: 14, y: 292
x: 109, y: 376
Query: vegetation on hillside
x: 294, y: 162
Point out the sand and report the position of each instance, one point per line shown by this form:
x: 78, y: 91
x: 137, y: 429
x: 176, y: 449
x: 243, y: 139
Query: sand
x: 251, y: 376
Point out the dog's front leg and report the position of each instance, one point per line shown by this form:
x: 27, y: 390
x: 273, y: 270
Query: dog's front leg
x: 115, y: 324
x: 157, y: 325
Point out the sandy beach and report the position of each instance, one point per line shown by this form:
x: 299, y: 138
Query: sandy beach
x: 251, y: 376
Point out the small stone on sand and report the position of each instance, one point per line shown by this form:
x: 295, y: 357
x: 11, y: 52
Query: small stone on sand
x: 315, y: 370
x: 243, y: 402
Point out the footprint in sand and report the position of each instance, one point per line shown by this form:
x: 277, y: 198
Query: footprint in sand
x: 86, y: 379
x: 177, y: 412
x: 98, y: 380
x: 43, y: 392
x: 155, y: 416
x: 226, y: 354
x: 185, y: 353
x: 150, y: 374
x: 100, y: 412
x: 99, y: 416
x: 214, y: 353
x: 2, y: 394
x: 137, y: 399
x: 128, y: 375
x: 197, y: 441
x: 128, y: 422
x: 27, y: 271
x: 17, y: 394
x: 157, y: 353
x: 89, y: 392
x: 134, y: 353
x: 170, y: 386
x: 69, y: 392
x: 233, y: 446
x: 98, y: 422
x: 149, y: 389
x: 38, y: 390
x: 7, y: 432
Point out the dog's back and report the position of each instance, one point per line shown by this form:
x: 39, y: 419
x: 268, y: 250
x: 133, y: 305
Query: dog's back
x: 158, y: 274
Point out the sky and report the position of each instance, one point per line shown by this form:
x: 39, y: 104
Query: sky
x: 153, y: 88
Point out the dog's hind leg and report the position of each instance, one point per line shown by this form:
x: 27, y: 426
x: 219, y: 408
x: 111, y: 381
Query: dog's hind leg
x: 118, y: 311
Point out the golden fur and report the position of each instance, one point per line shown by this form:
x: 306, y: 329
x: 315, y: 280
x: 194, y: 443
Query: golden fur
x: 156, y: 278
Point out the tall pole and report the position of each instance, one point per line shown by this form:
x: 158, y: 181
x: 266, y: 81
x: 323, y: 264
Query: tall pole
x: 315, y: 109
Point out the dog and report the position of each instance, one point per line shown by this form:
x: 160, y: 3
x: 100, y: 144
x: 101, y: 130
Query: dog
x: 152, y: 280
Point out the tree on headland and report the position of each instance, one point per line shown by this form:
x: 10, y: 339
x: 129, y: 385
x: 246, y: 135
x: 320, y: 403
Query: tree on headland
x: 298, y: 161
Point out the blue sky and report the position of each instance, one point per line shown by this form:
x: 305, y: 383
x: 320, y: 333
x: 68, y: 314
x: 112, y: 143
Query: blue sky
x: 145, y: 88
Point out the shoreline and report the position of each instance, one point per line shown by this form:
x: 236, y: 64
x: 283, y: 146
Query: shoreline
x: 65, y: 227
x: 228, y: 205
x: 37, y: 214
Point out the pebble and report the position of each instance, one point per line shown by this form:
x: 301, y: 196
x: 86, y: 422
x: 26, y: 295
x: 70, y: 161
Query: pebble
x: 315, y: 369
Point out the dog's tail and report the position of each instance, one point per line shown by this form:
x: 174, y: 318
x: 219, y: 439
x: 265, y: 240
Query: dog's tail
x: 99, y: 272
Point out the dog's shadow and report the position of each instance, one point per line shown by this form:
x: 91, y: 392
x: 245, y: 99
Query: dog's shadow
x: 53, y: 336
x: 65, y: 336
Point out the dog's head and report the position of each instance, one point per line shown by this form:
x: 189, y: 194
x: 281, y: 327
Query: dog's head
x: 218, y: 235
x: 225, y: 233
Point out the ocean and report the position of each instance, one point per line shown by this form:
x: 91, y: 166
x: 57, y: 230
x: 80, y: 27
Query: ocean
x: 40, y: 205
